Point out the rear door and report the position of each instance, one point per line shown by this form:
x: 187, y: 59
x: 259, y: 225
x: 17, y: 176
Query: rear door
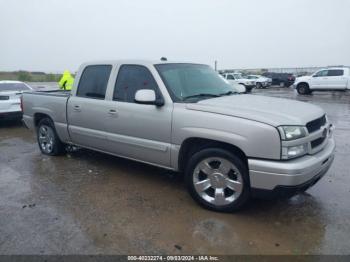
x: 139, y: 131
x: 336, y: 79
x: 87, y: 110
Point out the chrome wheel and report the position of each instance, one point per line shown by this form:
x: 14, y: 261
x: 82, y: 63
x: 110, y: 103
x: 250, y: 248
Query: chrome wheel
x: 217, y: 181
x: 46, y: 138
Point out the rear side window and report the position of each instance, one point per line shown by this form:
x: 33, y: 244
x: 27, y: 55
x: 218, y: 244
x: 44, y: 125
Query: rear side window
x: 335, y: 72
x: 93, y: 82
x: 230, y: 77
x: 130, y: 79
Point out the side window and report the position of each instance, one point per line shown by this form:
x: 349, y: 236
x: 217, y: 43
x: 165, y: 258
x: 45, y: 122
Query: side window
x: 93, y: 82
x: 130, y: 79
x: 335, y: 72
x: 321, y: 73
x: 230, y: 77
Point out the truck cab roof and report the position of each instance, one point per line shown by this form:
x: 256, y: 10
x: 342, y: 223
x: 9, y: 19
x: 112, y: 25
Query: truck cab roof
x: 134, y: 61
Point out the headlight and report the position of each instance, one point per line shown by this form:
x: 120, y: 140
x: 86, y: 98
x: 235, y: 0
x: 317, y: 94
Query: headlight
x: 292, y: 132
x: 294, y: 151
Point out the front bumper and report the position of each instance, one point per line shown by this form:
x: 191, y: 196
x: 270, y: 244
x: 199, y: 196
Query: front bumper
x: 265, y: 84
x: 291, y: 175
x: 11, y: 115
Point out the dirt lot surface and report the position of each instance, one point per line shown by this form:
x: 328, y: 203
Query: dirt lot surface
x: 92, y: 203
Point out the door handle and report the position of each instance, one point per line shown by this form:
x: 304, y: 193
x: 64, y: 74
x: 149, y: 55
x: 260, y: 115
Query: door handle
x: 77, y: 108
x: 113, y: 112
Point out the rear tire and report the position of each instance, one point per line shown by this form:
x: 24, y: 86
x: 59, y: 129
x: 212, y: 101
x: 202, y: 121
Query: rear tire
x: 218, y: 180
x: 48, y: 140
x: 303, y: 89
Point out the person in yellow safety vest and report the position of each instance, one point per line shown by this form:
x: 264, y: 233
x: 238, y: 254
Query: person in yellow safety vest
x: 67, y: 80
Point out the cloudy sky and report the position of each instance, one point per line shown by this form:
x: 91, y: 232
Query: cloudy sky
x: 51, y: 35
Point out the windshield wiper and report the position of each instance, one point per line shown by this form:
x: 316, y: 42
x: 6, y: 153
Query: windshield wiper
x: 200, y: 95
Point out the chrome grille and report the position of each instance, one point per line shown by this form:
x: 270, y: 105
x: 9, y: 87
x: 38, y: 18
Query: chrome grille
x: 316, y: 124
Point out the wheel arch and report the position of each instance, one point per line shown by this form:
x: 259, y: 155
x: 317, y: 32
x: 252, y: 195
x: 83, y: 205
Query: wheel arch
x: 194, y: 144
x: 39, y: 116
x: 303, y: 83
x: 60, y: 130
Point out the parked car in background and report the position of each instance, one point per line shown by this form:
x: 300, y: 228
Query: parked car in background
x: 325, y: 79
x: 184, y: 117
x: 10, y: 99
x: 239, y: 88
x: 260, y: 81
x: 281, y: 79
x: 238, y: 78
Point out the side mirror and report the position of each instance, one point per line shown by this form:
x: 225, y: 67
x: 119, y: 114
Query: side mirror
x: 147, y: 97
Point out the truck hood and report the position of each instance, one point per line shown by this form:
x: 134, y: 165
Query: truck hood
x: 303, y: 78
x: 262, y: 78
x: 245, y: 80
x: 269, y: 110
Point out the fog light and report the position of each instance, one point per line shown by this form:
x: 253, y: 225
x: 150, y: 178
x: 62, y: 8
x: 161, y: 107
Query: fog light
x: 294, y: 151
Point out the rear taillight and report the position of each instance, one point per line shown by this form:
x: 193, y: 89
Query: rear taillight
x: 22, y: 103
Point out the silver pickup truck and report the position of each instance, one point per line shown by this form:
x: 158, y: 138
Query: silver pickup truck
x: 185, y: 117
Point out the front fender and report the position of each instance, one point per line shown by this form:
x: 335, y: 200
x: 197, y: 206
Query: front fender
x: 255, y: 139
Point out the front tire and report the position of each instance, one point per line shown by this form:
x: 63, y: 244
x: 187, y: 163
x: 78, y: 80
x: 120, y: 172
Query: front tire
x: 48, y: 140
x: 248, y: 89
x: 258, y: 85
x: 218, y: 180
x: 303, y: 89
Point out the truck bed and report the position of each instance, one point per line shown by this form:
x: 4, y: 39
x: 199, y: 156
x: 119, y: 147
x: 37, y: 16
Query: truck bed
x: 51, y: 93
x: 52, y: 104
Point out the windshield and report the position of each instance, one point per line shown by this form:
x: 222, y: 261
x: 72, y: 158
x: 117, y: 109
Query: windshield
x: 193, y: 81
x: 13, y: 87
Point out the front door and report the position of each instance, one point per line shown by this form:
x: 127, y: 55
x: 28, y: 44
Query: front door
x: 231, y: 79
x: 319, y: 80
x: 138, y: 131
